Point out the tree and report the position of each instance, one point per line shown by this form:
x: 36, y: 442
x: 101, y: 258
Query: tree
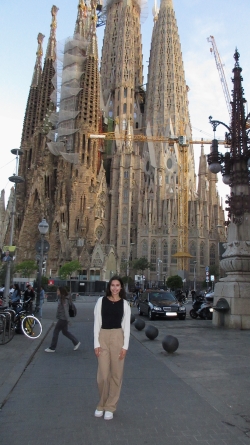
x: 141, y: 264
x: 67, y: 269
x: 26, y: 268
x: 174, y: 282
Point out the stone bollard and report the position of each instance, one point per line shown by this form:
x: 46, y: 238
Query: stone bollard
x: 170, y: 343
x: 151, y: 332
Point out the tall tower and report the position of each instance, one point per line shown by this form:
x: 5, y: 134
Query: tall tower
x: 81, y: 212
x: 166, y: 115
x: 123, y: 95
x: 121, y: 65
x: 35, y: 198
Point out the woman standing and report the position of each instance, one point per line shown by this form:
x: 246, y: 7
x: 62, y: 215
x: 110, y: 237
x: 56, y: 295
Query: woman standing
x: 111, y: 340
x: 62, y: 315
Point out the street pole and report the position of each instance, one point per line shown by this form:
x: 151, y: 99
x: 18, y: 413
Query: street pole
x: 43, y: 228
x: 39, y: 281
x: 195, y: 275
x: 16, y: 179
x: 129, y: 254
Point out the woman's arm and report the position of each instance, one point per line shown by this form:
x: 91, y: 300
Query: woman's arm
x: 97, y: 322
x: 126, y: 324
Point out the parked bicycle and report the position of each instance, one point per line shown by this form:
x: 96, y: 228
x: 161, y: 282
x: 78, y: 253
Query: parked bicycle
x: 18, y: 321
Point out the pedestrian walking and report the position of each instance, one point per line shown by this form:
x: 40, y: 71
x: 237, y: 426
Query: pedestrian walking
x: 193, y: 293
x: 62, y: 315
x: 111, y: 340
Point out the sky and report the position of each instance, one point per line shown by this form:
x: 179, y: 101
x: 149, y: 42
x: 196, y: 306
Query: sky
x: 226, y: 20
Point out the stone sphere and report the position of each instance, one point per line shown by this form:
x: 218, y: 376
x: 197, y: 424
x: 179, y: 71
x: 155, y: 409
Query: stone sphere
x: 151, y: 332
x: 170, y: 343
x: 139, y: 324
x: 132, y: 318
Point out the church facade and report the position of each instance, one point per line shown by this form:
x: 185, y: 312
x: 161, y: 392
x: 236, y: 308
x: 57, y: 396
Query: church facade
x: 109, y: 201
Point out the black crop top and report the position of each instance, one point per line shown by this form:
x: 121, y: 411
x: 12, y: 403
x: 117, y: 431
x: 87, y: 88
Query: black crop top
x: 112, y: 313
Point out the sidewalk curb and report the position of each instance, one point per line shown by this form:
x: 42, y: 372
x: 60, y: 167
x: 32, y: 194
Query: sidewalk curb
x: 17, y: 371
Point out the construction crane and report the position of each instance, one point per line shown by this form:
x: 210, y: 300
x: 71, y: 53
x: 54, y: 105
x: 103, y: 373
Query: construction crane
x: 221, y: 72
x: 111, y: 136
x: 222, y: 76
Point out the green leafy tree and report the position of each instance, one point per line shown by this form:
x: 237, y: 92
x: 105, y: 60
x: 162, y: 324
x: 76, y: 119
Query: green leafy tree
x: 67, y: 269
x: 3, y: 267
x: 26, y: 268
x: 141, y: 264
x: 174, y: 282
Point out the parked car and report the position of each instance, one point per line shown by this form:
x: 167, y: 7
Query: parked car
x: 156, y: 304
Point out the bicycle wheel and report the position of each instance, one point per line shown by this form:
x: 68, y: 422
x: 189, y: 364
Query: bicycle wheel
x: 31, y: 326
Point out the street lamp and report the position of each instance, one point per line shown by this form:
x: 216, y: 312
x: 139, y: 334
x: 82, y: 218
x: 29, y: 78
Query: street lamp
x: 235, y: 168
x: 130, y: 250
x: 158, y: 270
x: 43, y: 228
x: 194, y: 263
x: 16, y: 180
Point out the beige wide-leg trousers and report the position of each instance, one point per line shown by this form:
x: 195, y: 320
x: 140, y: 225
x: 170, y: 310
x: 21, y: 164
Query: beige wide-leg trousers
x: 110, y: 369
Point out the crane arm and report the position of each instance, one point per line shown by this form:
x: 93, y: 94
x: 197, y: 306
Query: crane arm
x: 141, y: 138
x: 221, y: 72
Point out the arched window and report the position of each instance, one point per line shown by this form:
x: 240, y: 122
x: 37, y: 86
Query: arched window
x: 125, y: 195
x: 212, y: 255
x: 153, y: 256
x: 144, y: 250
x: 165, y: 257
x: 124, y: 237
x: 202, y: 249
x: 125, y: 216
x: 173, y: 251
x: 192, y: 250
x: 125, y: 174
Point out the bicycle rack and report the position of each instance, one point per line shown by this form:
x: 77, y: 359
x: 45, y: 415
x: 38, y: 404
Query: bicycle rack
x: 7, y: 330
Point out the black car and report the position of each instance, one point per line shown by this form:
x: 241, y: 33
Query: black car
x: 160, y: 304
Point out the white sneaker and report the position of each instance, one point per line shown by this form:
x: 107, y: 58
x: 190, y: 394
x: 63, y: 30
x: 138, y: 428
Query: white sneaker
x: 98, y: 413
x: 77, y: 346
x: 108, y: 415
x: 50, y: 350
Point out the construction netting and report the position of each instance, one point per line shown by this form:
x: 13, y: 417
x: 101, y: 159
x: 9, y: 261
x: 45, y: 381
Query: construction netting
x: 71, y: 54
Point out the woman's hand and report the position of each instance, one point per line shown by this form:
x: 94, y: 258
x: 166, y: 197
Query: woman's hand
x: 122, y: 354
x: 97, y: 351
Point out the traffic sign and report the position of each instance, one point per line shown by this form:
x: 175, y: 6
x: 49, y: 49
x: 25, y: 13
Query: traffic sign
x: 207, y: 269
x: 46, y: 246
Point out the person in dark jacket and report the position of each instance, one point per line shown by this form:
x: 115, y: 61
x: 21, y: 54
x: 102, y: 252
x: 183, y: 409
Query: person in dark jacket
x: 28, y: 297
x: 62, y: 315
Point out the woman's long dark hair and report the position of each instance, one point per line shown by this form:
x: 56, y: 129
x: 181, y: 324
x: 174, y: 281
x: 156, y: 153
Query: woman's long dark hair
x: 122, y: 293
x: 17, y: 288
x: 63, y: 293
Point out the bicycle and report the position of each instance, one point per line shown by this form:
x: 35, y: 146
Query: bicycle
x: 12, y: 322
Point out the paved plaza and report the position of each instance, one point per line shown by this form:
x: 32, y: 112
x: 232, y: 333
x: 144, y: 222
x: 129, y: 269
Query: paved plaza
x: 198, y: 395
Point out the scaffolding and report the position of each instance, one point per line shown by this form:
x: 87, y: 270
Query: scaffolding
x: 69, y: 66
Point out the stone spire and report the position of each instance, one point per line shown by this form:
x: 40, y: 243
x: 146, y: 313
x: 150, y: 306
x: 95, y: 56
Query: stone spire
x: 32, y: 102
x: 167, y: 89
x: 121, y: 67
x: 83, y: 19
x: 45, y: 104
